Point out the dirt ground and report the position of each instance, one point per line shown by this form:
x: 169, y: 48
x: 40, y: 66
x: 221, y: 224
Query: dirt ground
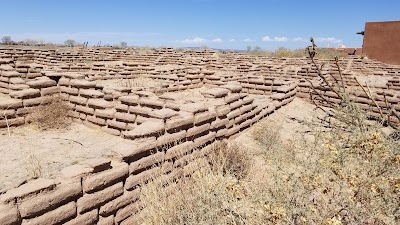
x: 27, y: 147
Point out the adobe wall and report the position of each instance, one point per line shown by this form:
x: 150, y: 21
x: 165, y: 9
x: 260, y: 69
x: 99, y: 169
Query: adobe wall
x: 382, y: 41
x: 170, y: 134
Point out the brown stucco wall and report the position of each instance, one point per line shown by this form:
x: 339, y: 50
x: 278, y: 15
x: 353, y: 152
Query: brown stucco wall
x: 382, y: 41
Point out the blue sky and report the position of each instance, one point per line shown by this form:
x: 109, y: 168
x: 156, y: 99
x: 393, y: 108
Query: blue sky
x: 227, y: 24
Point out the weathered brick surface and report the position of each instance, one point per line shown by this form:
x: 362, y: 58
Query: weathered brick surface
x: 88, y: 218
x: 99, y: 181
x: 9, y: 214
x: 90, y: 201
x: 32, y: 187
x: 113, y: 206
x: 43, y: 202
x: 56, y: 216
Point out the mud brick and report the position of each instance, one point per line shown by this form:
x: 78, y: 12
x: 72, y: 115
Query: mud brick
x: 221, y: 133
x: 76, y: 172
x: 134, y: 180
x: 82, y: 116
x: 139, y: 110
x: 88, y: 218
x: 121, y: 108
x: 113, y: 206
x: 170, y: 139
x: 215, y: 92
x: 4, y: 85
x: 68, y: 90
x: 63, y: 81
x: 203, y: 117
x: 78, y: 83
x: 201, y: 141
x: 96, y: 120
x: 9, y: 214
x: 219, y: 123
x: 246, y: 108
x: 10, y: 74
x: 278, y: 96
x: 125, y: 117
x: 180, y: 121
x: 179, y: 150
x: 12, y: 122
x: 50, y: 91
x: 256, y: 81
x: 248, y: 100
x: 231, y: 98
x: 98, y: 181
x: 10, y: 103
x: 111, y: 131
x: 233, y: 114
x: 90, y: 201
x: 197, y: 130
x: 233, y: 130
x: 30, y: 188
x: 16, y: 80
x: 105, y: 113
x: 9, y: 113
x: 126, y: 212
x: 57, y: 216
x: 84, y: 109
x: 147, y: 128
x: 37, y: 101
x: 91, y: 125
x: 116, y: 124
x: 41, y: 83
x: 163, y: 113
x: 48, y: 200
x: 129, y: 100
x: 16, y: 87
x: 91, y: 93
x: 26, y: 93
x: 237, y: 104
x: 106, y: 220
x: 146, y: 162
x: 194, y: 107
x: 78, y: 100
x: 174, y: 105
x: 139, y: 147
x: 99, y: 103
x: 153, y: 103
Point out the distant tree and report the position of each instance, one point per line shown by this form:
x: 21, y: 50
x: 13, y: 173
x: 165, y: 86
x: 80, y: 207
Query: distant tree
x: 123, y: 44
x: 70, y: 43
x: 248, y: 48
x: 31, y: 42
x: 6, y: 40
x: 256, y: 49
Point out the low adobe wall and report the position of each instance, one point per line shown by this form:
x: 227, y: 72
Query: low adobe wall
x: 170, y: 138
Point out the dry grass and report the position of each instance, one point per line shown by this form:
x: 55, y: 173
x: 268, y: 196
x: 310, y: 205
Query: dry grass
x: 53, y: 115
x: 345, y: 177
x: 299, y: 53
x: 33, y: 165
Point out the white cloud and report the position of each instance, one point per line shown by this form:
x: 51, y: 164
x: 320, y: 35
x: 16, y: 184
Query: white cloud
x: 266, y: 38
x: 195, y: 40
x: 299, y: 39
x: 281, y: 39
x: 276, y: 39
x: 247, y: 40
x: 232, y: 40
x: 219, y: 40
x: 329, y: 40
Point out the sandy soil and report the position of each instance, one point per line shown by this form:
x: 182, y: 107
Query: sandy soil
x: 52, y: 150
x: 131, y: 83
